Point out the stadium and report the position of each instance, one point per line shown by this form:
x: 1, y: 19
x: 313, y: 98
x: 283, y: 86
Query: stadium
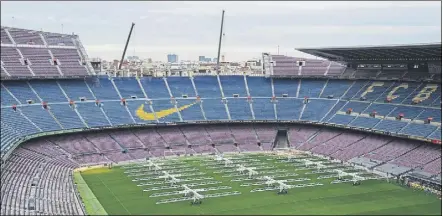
x: 356, y: 133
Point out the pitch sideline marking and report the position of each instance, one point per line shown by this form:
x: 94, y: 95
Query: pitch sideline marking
x: 114, y: 196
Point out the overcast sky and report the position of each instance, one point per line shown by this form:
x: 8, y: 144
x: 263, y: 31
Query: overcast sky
x: 190, y: 29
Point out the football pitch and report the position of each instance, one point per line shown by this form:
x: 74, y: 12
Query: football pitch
x: 133, y: 189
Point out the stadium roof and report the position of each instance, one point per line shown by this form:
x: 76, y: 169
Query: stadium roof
x: 405, y: 53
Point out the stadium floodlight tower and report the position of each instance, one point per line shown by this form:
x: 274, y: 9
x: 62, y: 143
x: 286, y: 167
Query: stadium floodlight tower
x: 196, y: 197
x: 171, y: 178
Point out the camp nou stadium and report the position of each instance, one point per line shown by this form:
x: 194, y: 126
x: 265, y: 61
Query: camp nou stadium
x: 355, y: 131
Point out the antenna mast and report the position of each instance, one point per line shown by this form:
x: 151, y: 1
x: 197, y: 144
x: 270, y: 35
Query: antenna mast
x: 219, y: 42
x: 126, y: 47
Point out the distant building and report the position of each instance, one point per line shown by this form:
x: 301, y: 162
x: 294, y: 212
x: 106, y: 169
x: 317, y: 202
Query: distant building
x: 149, y: 60
x: 201, y: 58
x: 130, y: 58
x: 215, y: 60
x: 172, y: 58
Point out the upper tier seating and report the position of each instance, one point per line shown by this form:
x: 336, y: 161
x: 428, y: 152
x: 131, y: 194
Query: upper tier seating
x: 41, y: 54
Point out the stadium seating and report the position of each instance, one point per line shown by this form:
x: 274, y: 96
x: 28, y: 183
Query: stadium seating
x: 97, y: 102
x: 63, y: 153
x: 33, y: 107
x: 41, y: 54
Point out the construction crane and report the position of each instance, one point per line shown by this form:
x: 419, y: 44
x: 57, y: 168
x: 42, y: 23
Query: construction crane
x: 126, y: 46
x: 219, y: 42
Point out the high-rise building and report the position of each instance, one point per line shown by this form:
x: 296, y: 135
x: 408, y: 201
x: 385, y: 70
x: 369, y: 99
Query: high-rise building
x: 172, y: 58
x: 201, y: 58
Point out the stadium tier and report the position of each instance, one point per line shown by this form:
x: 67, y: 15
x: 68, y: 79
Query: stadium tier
x: 33, y: 107
x: 52, y: 125
x: 27, y: 53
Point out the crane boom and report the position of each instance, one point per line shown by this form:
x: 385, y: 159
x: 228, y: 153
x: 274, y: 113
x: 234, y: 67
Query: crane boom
x: 219, y: 42
x: 126, y: 47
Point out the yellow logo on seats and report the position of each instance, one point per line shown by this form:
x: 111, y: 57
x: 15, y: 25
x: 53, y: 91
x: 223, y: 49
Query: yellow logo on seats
x: 140, y: 112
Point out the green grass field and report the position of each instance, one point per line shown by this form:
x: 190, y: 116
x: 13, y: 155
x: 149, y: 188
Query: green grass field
x: 118, y: 194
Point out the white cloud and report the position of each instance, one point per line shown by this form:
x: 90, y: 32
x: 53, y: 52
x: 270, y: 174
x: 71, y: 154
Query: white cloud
x: 191, y: 28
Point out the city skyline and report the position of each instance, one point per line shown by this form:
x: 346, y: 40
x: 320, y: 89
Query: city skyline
x: 191, y: 29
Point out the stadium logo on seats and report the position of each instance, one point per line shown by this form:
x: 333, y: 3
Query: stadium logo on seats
x: 142, y: 114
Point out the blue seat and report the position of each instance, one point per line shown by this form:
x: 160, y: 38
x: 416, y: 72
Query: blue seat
x: 436, y: 134
x: 263, y: 109
x: 162, y: 106
x: 8, y: 137
x: 409, y: 112
x: 155, y: 88
x: 341, y: 119
x: 214, y: 109
x: 207, y: 86
x: 422, y: 130
x: 434, y: 95
x: 285, y: 86
x: 128, y: 87
x: 390, y: 125
x: 357, y: 87
x: 17, y: 122
x: 180, y: 86
x: 289, y: 109
x: 377, y: 91
x: 311, y: 88
x: 233, y: 85
x: 48, y: 90
x: 75, y: 89
x: 139, y: 116
x: 334, y: 110
x: 259, y: 86
x: 67, y: 117
x: 356, y: 106
x: 6, y: 98
x: 191, y: 113
x: 381, y: 109
x: 365, y: 122
x: 316, y: 109
x: 435, y: 114
x: 92, y: 114
x: 21, y: 91
x: 40, y: 117
x: 239, y: 109
x: 103, y: 88
x: 116, y: 113
x: 401, y: 93
x: 336, y: 88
